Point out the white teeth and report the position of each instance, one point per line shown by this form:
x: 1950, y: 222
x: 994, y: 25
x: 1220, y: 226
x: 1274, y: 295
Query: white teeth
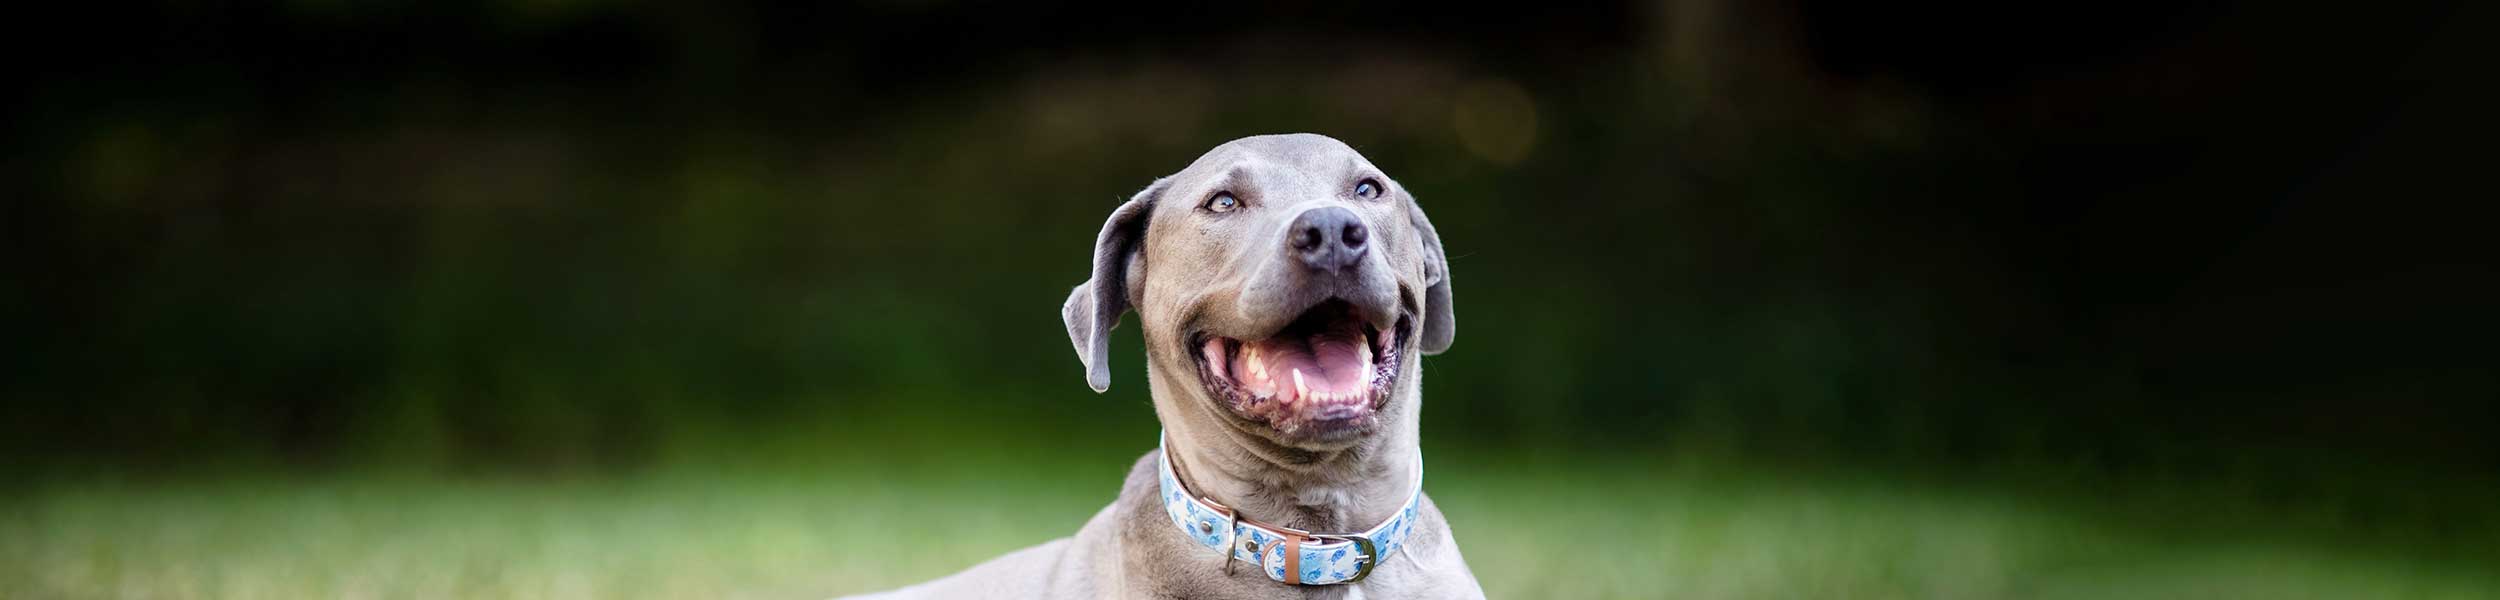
x: 1257, y: 367
x: 1364, y: 352
x: 1300, y: 390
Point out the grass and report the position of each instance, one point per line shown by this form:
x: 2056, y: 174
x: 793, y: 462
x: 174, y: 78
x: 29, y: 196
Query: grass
x: 1530, y: 529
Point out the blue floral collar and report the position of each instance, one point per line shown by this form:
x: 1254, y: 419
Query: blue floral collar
x: 1288, y: 555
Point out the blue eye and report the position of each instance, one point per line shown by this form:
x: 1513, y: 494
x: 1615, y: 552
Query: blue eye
x: 1223, y: 202
x: 1367, y: 189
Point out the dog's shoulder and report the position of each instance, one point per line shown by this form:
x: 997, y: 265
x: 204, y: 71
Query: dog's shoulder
x: 1141, y: 475
x: 1434, y: 568
x: 1140, y: 503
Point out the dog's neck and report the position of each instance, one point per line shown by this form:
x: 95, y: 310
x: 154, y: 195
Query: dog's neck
x: 1326, y: 491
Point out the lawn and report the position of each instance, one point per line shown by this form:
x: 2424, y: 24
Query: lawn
x: 1531, y: 528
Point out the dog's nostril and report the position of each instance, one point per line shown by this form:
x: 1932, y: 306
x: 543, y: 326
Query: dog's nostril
x: 1309, y: 238
x: 1355, y: 234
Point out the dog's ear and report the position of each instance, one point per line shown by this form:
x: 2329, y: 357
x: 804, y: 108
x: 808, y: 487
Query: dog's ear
x: 1095, y: 306
x: 1440, y: 321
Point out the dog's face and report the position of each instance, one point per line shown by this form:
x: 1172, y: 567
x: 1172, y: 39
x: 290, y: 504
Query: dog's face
x: 1281, y: 280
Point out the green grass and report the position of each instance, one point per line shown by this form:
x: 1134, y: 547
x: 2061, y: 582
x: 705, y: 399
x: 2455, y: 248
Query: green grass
x: 1530, y: 529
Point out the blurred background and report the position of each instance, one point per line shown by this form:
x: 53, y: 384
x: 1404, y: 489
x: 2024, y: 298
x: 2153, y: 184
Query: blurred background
x: 578, y: 298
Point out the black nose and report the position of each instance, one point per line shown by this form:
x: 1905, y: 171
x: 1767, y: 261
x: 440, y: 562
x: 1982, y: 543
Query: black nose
x: 1328, y: 238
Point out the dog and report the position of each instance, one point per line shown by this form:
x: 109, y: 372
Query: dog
x: 1288, y: 289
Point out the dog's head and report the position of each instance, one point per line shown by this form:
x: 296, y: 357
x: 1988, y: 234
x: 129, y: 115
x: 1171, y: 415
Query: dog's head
x: 1285, y: 284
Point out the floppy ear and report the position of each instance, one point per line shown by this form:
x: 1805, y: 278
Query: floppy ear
x: 1440, y: 322
x: 1095, y: 306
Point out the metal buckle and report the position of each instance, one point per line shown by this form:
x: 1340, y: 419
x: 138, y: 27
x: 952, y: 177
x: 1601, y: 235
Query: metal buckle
x: 1369, y: 558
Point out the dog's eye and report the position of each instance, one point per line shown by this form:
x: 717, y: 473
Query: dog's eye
x: 1367, y: 189
x: 1223, y: 202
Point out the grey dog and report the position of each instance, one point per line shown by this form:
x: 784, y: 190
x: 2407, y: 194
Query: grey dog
x: 1286, y: 286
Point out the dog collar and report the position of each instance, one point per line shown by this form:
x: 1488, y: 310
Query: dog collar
x: 1288, y: 555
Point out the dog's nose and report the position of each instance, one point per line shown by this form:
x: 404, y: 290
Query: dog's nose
x: 1328, y: 238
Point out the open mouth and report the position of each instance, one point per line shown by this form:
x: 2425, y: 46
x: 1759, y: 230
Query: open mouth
x: 1326, y: 371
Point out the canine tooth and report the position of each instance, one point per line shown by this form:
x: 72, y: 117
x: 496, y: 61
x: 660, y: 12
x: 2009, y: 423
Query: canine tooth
x: 1300, y: 390
x: 1257, y: 367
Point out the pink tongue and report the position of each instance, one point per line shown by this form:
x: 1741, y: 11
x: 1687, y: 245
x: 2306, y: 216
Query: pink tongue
x: 1339, y: 357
